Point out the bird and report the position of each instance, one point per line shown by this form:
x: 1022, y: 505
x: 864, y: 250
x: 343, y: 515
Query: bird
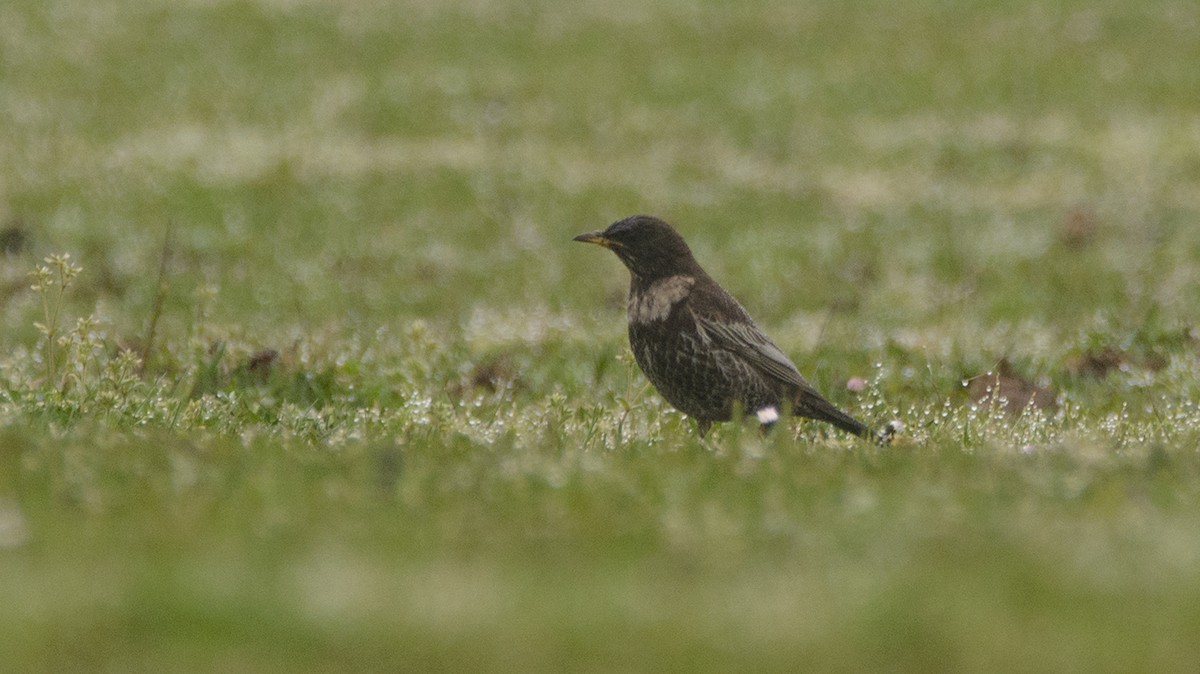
x: 697, y: 345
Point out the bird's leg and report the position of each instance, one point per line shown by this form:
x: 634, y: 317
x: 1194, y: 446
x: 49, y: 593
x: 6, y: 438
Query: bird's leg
x: 702, y: 426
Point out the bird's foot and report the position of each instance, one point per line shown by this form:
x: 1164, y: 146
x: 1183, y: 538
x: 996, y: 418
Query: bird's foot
x: 885, y: 437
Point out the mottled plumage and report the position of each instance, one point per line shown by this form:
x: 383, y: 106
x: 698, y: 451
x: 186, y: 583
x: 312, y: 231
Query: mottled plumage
x: 696, y: 344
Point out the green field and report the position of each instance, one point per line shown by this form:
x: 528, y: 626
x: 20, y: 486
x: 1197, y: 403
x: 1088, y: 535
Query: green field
x: 333, y: 390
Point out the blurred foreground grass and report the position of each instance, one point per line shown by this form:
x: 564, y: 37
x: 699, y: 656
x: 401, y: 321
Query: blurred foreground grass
x: 376, y: 413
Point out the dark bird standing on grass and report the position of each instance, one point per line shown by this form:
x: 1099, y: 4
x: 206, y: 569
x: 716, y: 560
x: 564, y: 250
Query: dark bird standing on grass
x: 696, y: 344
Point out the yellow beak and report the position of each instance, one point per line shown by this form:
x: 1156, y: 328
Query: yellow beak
x: 597, y: 238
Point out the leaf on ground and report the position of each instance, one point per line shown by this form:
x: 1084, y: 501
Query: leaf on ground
x: 490, y: 375
x: 261, y: 363
x: 1099, y: 362
x: 1078, y: 228
x: 1004, y: 386
x: 14, y: 237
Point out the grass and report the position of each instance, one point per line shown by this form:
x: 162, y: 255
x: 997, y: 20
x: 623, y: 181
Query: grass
x: 332, y: 388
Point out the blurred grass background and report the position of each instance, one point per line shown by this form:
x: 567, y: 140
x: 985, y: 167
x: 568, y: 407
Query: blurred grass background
x: 385, y: 418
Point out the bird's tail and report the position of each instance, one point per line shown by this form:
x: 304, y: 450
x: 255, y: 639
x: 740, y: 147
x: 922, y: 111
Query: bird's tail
x: 811, y: 404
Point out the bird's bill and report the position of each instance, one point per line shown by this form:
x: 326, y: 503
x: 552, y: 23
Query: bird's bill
x: 597, y: 238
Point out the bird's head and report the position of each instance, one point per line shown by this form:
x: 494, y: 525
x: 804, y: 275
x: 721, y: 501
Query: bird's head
x: 649, y: 247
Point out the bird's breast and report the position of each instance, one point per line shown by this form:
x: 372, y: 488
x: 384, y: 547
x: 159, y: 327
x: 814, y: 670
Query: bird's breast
x: 655, y: 301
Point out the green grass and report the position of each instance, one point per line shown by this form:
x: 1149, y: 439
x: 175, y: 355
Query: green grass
x: 377, y: 413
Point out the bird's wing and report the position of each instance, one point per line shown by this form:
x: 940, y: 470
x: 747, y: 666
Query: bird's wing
x: 748, y: 342
x: 752, y: 346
